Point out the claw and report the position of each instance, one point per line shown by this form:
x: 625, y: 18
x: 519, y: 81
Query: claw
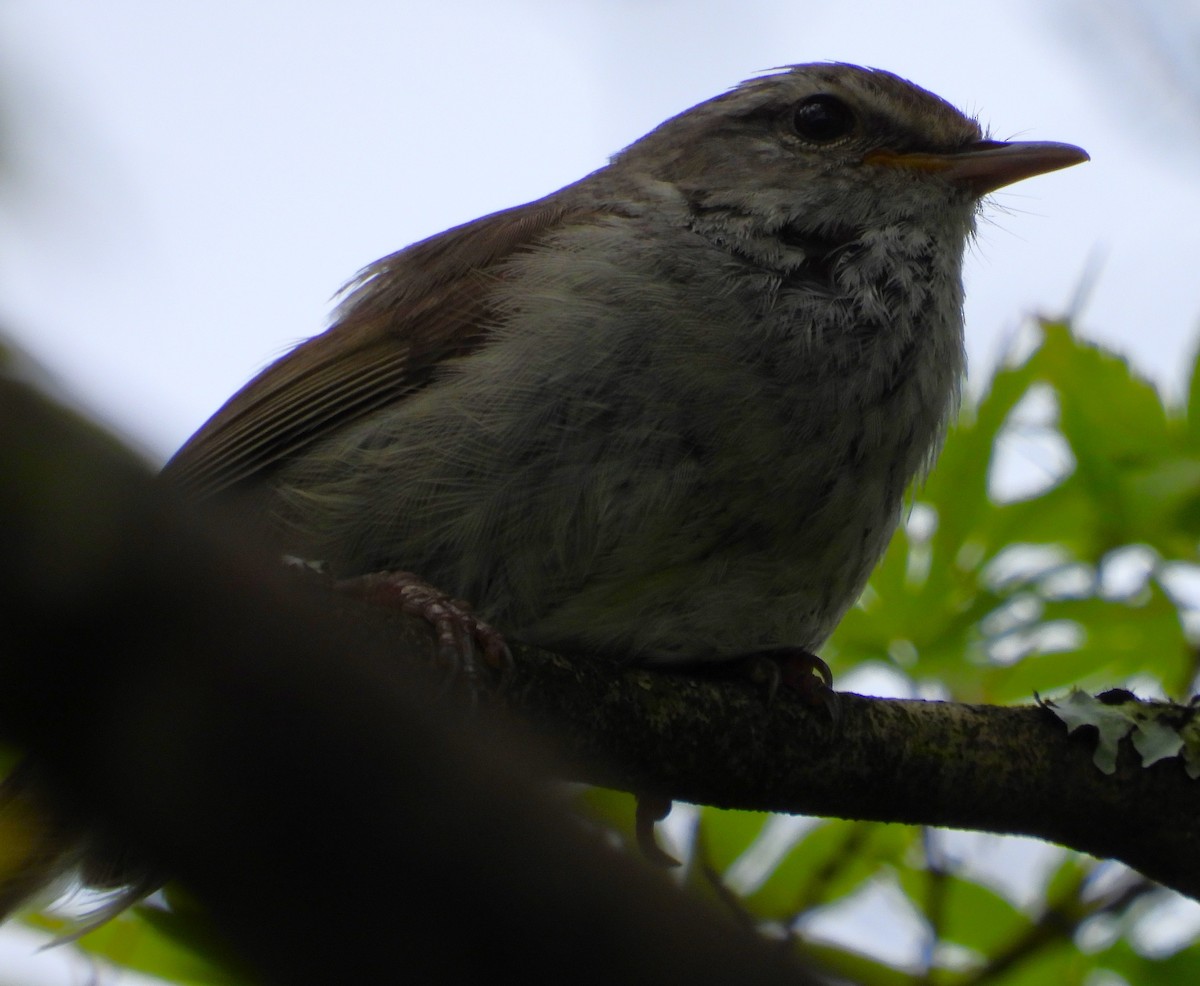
x: 464, y: 641
x: 650, y: 810
x: 801, y: 672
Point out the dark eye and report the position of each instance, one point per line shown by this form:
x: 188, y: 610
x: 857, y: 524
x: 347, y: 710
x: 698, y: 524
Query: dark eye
x: 822, y: 119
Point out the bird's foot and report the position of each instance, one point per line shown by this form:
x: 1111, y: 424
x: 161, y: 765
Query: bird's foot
x: 798, y: 670
x: 466, y: 645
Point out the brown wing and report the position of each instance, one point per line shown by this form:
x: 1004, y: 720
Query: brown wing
x: 404, y: 315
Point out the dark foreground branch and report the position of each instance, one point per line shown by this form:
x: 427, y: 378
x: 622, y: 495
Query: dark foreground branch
x: 181, y: 695
x: 182, y: 705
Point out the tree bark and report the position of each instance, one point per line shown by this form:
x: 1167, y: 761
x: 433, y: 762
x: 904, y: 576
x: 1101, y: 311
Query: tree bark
x: 1010, y: 770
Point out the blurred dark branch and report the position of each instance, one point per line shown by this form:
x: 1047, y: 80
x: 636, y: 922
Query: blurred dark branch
x: 341, y: 821
x: 189, y: 696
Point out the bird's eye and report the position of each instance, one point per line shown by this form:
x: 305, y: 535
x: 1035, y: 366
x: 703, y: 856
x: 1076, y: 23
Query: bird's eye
x: 822, y: 119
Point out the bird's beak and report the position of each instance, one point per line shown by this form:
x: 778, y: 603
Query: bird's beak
x: 986, y: 165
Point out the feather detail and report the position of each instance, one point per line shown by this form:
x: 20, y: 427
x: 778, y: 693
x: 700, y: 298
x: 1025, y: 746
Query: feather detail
x: 403, y: 317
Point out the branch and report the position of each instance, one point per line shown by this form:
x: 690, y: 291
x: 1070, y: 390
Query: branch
x: 997, y: 769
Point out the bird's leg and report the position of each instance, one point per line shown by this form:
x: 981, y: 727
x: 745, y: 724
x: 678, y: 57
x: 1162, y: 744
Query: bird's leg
x: 651, y: 809
x: 798, y: 670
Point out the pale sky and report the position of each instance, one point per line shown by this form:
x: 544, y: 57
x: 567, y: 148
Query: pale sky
x: 186, y: 184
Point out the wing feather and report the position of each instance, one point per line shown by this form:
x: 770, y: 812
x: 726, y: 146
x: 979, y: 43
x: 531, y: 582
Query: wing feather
x: 402, y: 317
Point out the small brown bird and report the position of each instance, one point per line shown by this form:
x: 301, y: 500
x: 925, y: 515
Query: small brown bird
x: 667, y: 413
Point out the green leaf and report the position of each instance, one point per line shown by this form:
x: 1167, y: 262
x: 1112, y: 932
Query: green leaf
x: 1057, y: 962
x: 1172, y: 970
x: 614, y: 810
x: 1107, y: 412
x: 1192, y: 431
x: 180, y: 947
x: 1161, y: 504
x: 832, y: 860
x: 1120, y: 639
x: 1069, y: 514
x: 964, y: 912
x: 727, y: 835
x: 958, y: 486
x: 851, y: 966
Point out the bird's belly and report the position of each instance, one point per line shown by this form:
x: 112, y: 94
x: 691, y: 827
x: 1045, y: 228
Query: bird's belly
x: 722, y: 574
x: 608, y: 528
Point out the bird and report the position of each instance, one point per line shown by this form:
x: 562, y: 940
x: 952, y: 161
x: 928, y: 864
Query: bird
x: 665, y: 415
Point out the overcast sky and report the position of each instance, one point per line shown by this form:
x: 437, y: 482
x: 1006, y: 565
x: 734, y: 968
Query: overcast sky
x: 186, y: 184
x: 189, y: 183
